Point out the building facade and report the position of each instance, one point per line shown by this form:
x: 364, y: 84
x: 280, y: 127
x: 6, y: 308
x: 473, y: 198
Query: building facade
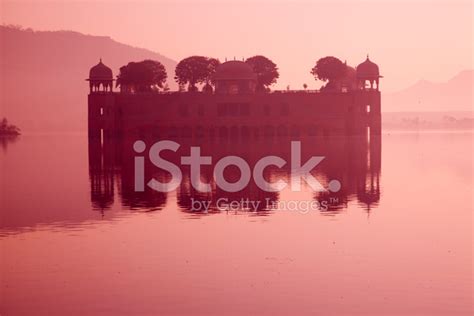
x: 235, y: 109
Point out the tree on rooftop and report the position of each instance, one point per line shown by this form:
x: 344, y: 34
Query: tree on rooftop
x: 146, y: 75
x: 195, y: 70
x: 329, y: 69
x: 266, y: 71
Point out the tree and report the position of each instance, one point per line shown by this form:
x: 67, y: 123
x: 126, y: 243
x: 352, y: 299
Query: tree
x: 146, y: 75
x: 195, y: 70
x: 7, y: 129
x: 266, y: 71
x: 305, y: 86
x: 212, y: 64
x: 329, y: 69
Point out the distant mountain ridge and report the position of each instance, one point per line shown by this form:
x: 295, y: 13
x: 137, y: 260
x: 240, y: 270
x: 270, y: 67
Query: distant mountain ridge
x: 42, y: 75
x: 43, y: 87
x: 455, y: 94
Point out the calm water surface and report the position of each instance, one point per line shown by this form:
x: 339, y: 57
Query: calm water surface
x: 395, y: 240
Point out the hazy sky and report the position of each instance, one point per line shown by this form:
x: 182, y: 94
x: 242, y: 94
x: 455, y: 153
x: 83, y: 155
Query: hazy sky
x: 410, y: 40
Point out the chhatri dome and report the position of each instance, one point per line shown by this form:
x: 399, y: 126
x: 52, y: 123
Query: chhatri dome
x: 368, y: 71
x: 234, y: 69
x: 100, y: 72
x: 100, y: 78
x: 235, y: 77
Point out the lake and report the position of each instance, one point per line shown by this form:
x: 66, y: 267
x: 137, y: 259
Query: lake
x: 394, y: 239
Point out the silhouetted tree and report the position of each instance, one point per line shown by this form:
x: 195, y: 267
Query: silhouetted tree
x: 266, y: 70
x: 7, y: 129
x: 212, y: 64
x: 329, y: 69
x: 141, y: 76
x: 347, y: 82
x: 305, y: 86
x: 195, y: 70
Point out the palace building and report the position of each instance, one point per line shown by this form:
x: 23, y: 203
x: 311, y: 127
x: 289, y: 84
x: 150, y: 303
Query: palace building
x: 235, y: 109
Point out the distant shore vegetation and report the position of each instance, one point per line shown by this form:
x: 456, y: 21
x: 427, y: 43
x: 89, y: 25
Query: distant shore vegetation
x: 7, y: 129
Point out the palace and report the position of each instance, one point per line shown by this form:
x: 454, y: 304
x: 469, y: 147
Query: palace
x: 235, y: 109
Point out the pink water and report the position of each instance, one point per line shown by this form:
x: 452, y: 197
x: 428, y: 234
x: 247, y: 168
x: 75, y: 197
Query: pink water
x: 410, y: 254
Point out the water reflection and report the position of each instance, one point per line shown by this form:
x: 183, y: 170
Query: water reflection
x: 355, y: 161
x: 284, y: 256
x: 6, y: 140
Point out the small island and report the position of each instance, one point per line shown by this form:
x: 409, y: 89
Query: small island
x: 8, y: 130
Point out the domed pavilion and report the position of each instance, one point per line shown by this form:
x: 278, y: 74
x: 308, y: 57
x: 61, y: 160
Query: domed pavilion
x: 100, y: 78
x: 368, y: 72
x: 235, y: 77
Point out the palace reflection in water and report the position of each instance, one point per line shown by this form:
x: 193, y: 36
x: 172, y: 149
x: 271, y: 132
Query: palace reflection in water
x: 355, y: 161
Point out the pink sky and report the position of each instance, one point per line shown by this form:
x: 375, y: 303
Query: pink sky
x: 415, y: 40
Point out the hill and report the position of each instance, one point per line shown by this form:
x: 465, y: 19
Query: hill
x: 42, y: 87
x: 425, y: 96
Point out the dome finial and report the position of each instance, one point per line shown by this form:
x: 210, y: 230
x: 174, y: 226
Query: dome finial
x: 367, y: 56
